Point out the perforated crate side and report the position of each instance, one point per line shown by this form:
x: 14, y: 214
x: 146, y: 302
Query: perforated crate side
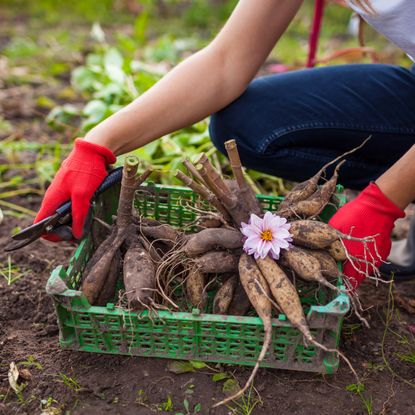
x: 207, y: 337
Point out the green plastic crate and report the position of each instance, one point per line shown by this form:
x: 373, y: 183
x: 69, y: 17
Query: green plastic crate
x: 189, y: 335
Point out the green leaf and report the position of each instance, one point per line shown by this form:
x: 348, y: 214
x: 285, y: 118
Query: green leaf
x: 197, y: 408
x: 97, y: 33
x: 113, y: 57
x: 230, y: 386
x: 95, y: 107
x: 113, y: 62
x: 152, y: 147
x: 83, y: 79
x: 140, y: 26
x: 113, y: 92
x: 186, y: 405
x: 356, y: 388
x: 179, y: 367
x: 94, y: 59
x: 96, y: 111
x: 217, y: 377
x: 168, y: 405
x: 197, y: 364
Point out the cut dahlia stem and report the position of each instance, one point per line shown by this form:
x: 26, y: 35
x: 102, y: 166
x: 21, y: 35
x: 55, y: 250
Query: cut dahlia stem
x: 193, y: 172
x: 129, y: 185
x: 247, y: 192
x: 213, y: 174
x: 203, y: 192
x: 225, y: 195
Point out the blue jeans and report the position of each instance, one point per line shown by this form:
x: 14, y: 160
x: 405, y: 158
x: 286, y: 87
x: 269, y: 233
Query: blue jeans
x: 290, y: 124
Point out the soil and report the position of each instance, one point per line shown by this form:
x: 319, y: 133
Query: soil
x: 68, y: 382
x: 130, y: 385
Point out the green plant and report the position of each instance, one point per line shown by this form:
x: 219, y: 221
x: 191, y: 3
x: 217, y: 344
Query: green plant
x: 349, y: 329
x: 31, y: 362
x: 245, y: 405
x: 406, y: 357
x: 48, y: 406
x: 70, y: 382
x: 166, y: 406
x: 11, y: 273
x: 197, y: 408
x: 392, y: 315
x: 359, y: 389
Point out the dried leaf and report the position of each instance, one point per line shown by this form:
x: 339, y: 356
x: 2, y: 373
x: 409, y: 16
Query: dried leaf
x: 13, y: 377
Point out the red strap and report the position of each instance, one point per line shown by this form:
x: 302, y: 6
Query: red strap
x: 315, y: 32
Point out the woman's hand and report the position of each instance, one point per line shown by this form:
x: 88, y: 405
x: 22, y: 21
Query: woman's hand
x: 77, y: 180
x: 370, y: 214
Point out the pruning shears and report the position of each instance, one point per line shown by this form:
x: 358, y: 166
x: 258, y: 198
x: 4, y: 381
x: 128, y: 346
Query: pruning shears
x: 59, y: 223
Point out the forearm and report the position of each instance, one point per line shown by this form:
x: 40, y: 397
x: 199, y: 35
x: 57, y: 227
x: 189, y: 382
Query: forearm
x: 205, y: 82
x: 398, y: 183
x: 186, y: 95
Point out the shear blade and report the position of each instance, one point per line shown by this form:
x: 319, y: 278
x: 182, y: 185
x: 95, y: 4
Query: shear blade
x: 14, y: 245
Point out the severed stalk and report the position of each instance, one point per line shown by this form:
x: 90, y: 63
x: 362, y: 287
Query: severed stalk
x: 213, y: 176
x: 238, y: 211
x: 193, y: 172
x: 246, y: 190
x: 204, y: 193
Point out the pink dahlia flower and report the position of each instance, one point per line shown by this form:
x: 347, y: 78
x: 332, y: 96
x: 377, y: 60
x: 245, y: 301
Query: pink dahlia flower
x: 267, y: 235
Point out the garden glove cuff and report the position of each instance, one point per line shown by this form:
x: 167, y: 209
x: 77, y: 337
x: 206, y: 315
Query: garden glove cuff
x: 370, y: 214
x: 77, y: 180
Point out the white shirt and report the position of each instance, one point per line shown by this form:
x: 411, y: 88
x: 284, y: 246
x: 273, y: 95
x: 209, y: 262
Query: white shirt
x: 395, y: 19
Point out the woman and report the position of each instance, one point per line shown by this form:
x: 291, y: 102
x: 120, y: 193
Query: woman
x: 288, y: 125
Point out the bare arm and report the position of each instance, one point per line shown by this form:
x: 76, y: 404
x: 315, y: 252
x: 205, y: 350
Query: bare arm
x: 398, y: 183
x: 204, y: 83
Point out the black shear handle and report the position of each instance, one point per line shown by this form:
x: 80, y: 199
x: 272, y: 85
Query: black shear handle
x: 114, y: 177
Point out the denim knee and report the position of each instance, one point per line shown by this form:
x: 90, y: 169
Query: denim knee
x: 216, y: 133
x: 234, y: 122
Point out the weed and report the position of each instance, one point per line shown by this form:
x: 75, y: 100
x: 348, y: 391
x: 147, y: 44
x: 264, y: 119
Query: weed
x: 69, y: 382
x: 406, y: 357
x: 245, y: 405
x: 390, y: 315
x: 48, y: 406
x: 31, y: 362
x: 350, y: 328
x: 18, y: 390
x: 11, y: 273
x: 359, y: 389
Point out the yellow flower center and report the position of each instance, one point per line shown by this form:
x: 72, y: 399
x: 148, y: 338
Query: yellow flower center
x: 266, y: 235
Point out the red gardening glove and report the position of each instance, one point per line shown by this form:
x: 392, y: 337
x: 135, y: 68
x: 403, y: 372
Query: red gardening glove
x: 371, y: 213
x: 77, y: 180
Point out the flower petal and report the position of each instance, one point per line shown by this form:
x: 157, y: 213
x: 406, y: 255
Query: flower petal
x: 268, y: 220
x: 265, y: 249
x: 249, y: 231
x: 256, y: 221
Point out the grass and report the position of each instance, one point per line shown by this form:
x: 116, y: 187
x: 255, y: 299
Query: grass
x: 31, y: 362
x: 70, y: 382
x: 392, y: 316
x: 359, y: 389
x: 11, y: 273
x: 246, y: 404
